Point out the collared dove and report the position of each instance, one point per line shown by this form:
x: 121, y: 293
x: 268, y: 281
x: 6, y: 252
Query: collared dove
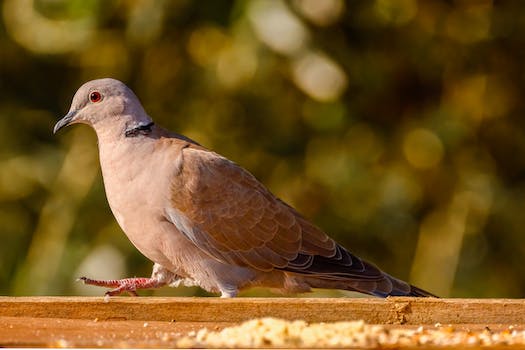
x: 202, y: 219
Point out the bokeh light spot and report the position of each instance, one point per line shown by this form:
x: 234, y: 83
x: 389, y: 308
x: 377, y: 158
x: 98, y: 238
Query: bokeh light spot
x: 422, y: 148
x: 321, y: 13
x: 205, y: 43
x: 236, y: 65
x: 277, y: 26
x: 319, y: 77
x: 44, y: 35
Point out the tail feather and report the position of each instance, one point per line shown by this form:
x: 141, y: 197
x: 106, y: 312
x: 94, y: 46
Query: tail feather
x: 418, y: 292
x: 402, y: 288
x: 346, y: 271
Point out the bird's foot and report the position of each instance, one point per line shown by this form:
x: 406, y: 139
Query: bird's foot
x: 129, y: 285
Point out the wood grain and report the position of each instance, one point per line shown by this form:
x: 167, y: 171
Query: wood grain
x: 371, y: 310
x: 158, y: 322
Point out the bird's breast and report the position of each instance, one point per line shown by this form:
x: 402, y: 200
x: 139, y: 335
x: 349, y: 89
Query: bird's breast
x: 134, y: 184
x: 138, y: 179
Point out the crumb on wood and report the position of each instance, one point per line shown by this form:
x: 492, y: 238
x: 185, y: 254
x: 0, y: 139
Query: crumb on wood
x: 273, y: 332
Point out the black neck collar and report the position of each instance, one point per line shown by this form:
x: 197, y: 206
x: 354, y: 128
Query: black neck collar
x: 139, y: 130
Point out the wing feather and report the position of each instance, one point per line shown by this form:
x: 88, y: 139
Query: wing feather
x: 234, y: 218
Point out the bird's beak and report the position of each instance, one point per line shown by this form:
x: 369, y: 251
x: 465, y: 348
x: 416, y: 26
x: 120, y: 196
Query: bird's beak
x: 65, y: 121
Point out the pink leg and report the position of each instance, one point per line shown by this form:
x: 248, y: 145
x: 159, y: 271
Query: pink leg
x: 129, y: 285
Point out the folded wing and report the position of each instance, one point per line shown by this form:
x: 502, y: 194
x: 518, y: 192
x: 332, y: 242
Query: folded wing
x: 229, y: 214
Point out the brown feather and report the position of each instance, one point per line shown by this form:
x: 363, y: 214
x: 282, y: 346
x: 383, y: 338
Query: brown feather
x: 244, y: 216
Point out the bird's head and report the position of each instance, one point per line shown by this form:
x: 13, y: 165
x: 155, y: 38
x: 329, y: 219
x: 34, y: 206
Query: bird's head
x: 105, y: 104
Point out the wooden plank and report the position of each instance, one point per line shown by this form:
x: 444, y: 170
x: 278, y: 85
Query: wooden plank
x: 54, y: 332
x: 412, y: 311
x: 160, y: 322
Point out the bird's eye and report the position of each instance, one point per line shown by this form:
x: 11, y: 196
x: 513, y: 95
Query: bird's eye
x: 95, y: 97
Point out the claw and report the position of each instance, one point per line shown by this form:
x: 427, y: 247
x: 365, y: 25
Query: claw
x: 129, y: 285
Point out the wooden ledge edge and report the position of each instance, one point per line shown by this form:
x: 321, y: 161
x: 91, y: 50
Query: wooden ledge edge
x: 393, y: 310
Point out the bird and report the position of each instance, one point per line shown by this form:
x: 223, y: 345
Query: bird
x: 202, y: 219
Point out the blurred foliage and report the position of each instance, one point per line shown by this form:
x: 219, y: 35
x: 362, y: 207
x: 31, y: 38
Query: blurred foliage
x: 395, y: 125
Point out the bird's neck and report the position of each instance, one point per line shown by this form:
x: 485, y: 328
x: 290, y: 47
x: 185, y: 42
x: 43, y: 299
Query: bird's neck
x: 110, y: 130
x: 124, y: 158
x: 139, y: 129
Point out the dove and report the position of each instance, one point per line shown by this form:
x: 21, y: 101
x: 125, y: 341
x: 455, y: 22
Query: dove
x: 202, y: 219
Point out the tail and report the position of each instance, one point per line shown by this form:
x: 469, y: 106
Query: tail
x: 418, y: 292
x: 346, y: 271
x: 402, y: 289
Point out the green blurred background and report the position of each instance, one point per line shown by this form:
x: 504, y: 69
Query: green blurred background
x: 397, y: 126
